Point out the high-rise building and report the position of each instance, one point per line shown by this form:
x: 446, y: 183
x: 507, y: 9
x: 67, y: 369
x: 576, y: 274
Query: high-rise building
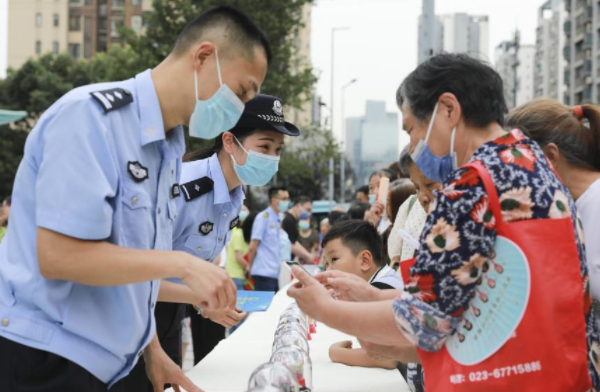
x: 505, y: 65
x: 452, y: 33
x: 429, y: 40
x: 549, y: 68
x: 582, y: 68
x: 372, y: 141
x: 462, y: 33
x: 79, y: 27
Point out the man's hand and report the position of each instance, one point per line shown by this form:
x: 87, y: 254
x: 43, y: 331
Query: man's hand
x: 212, y: 285
x: 162, y: 370
x: 404, y: 354
x: 226, y: 317
x: 312, y: 297
x: 349, y: 287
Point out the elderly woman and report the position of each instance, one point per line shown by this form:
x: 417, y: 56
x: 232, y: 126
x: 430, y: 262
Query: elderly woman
x: 495, y: 300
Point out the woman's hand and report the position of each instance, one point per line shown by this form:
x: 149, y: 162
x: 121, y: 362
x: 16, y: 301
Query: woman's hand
x: 375, y: 213
x: 226, y: 317
x: 312, y: 297
x: 349, y: 287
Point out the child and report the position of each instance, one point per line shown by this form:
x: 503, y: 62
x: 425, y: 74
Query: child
x: 356, y: 247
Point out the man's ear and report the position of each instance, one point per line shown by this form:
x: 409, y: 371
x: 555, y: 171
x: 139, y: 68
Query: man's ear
x: 200, y: 53
x: 366, y: 260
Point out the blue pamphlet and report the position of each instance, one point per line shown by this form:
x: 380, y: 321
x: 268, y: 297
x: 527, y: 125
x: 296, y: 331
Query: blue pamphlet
x: 254, y: 301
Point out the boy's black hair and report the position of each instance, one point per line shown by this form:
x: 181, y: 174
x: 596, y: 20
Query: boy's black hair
x: 357, y: 235
x: 238, y: 30
x: 475, y: 84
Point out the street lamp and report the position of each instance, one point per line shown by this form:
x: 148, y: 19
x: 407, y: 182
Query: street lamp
x: 331, y: 163
x: 343, y: 144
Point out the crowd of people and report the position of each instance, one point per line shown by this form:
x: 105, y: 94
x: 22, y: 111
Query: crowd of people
x: 464, y: 265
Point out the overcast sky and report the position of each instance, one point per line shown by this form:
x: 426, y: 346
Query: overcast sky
x: 380, y: 48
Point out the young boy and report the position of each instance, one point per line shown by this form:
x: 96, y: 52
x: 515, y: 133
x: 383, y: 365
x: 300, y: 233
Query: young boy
x: 356, y: 247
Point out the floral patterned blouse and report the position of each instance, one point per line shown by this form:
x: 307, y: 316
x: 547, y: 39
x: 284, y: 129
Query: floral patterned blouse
x: 460, y: 232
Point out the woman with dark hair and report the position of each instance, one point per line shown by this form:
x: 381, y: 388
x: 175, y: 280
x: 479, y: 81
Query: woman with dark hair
x: 498, y: 297
x: 400, y: 190
x: 209, y: 200
x: 570, y: 139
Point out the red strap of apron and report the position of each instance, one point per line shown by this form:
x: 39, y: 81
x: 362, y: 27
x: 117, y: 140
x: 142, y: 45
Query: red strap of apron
x: 490, y: 189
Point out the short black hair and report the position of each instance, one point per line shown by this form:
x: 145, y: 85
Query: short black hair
x: 358, y: 235
x: 357, y: 210
x: 363, y: 189
x: 302, y: 199
x: 274, y: 191
x: 241, y: 32
x: 475, y: 84
x: 384, y: 173
x: 337, y: 216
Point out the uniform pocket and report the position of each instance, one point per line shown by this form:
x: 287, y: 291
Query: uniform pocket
x: 201, y: 246
x: 138, y: 226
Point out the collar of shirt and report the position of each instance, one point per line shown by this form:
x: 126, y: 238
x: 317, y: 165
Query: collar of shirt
x: 221, y: 194
x: 382, y: 271
x: 151, y: 120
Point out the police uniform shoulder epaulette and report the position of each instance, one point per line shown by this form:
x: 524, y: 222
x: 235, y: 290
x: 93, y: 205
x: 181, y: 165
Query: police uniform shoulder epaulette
x: 113, y: 98
x: 194, y: 189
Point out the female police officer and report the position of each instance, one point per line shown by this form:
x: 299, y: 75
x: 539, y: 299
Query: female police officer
x: 91, y: 225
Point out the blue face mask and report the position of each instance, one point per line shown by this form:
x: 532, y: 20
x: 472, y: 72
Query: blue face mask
x: 259, y: 168
x: 435, y: 168
x: 284, y: 205
x: 372, y: 199
x: 244, y: 215
x: 304, y: 225
x: 217, y: 114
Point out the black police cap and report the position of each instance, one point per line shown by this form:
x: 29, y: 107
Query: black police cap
x: 266, y: 112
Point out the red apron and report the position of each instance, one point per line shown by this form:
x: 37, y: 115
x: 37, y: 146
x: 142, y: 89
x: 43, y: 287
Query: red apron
x: 545, y: 349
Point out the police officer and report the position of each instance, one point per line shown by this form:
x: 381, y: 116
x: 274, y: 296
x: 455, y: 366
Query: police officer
x: 212, y: 192
x: 93, y: 214
x: 264, y: 250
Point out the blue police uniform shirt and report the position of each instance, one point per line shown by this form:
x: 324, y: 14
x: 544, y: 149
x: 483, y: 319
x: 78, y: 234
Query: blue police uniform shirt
x: 94, y: 171
x: 204, y: 223
x: 265, y: 229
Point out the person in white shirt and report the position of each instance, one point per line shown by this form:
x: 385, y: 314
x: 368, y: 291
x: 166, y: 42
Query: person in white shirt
x: 570, y: 138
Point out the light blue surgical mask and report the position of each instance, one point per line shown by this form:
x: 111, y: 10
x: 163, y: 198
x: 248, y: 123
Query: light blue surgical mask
x: 372, y: 199
x: 259, y: 168
x: 435, y: 168
x: 284, y: 205
x: 304, y: 225
x: 217, y: 114
x: 244, y: 215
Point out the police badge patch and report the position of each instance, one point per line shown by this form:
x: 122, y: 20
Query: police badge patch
x: 206, y: 227
x: 138, y: 172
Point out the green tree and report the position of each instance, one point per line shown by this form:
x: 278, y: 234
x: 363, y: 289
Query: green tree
x: 11, y: 151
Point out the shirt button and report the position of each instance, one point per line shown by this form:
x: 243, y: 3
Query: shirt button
x: 225, y: 214
x: 172, y: 172
x: 159, y: 210
x: 199, y: 249
x: 5, y: 322
x: 220, y: 239
x: 134, y: 201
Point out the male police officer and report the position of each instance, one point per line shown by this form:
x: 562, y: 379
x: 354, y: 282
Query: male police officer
x: 93, y: 212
